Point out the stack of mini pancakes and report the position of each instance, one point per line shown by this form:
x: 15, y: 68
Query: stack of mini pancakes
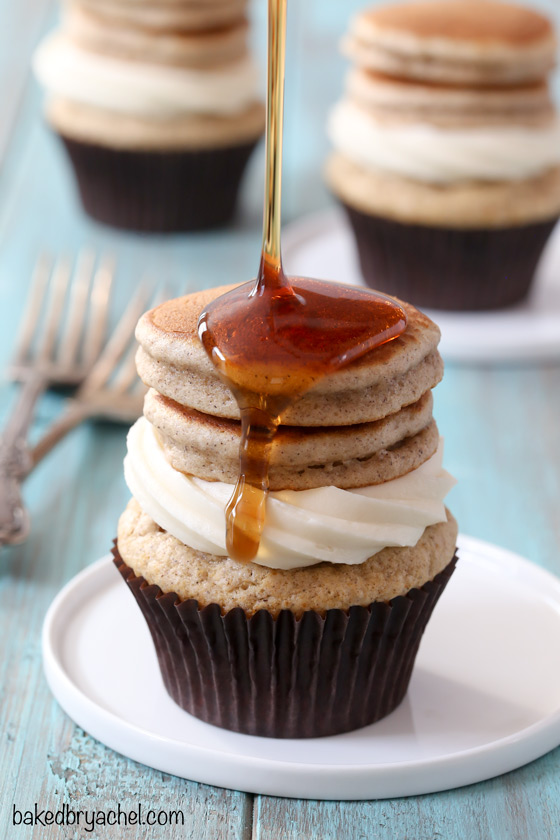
x: 362, y: 426
x: 355, y: 516
x: 447, y: 149
x: 158, y: 105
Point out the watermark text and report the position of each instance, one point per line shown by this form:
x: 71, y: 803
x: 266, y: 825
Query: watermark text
x: 89, y: 820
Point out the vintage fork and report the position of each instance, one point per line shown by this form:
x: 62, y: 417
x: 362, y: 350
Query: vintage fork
x: 112, y: 389
x: 60, y: 338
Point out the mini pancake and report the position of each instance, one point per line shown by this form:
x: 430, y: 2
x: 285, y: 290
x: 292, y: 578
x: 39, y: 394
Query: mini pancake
x: 171, y: 359
x: 174, y: 15
x: 301, y: 458
x: 198, y: 49
x: 480, y: 42
x: 400, y: 102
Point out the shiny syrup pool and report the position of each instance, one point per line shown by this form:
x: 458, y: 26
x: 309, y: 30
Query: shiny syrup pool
x: 271, y: 341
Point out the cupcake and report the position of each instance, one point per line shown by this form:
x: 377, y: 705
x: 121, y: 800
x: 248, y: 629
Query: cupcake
x: 447, y: 150
x: 158, y: 107
x: 318, y: 633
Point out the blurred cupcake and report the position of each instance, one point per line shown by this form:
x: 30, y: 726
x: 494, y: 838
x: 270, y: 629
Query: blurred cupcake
x: 158, y: 106
x: 319, y: 633
x: 447, y: 150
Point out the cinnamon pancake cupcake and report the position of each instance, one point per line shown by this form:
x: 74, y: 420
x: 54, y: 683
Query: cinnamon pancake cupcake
x: 447, y: 149
x: 318, y: 634
x: 158, y: 106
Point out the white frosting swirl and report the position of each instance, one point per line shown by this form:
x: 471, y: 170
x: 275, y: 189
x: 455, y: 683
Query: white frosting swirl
x: 437, y: 155
x: 303, y: 527
x: 142, y: 90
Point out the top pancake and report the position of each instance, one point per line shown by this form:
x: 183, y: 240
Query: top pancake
x: 454, y: 41
x: 477, y: 21
x: 171, y: 360
x: 167, y: 15
x: 194, y: 48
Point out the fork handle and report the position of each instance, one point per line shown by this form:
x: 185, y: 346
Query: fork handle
x: 15, y: 431
x: 74, y: 414
x: 15, y: 462
x: 14, y: 518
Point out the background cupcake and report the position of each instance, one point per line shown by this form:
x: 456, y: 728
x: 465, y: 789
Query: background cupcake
x: 319, y: 633
x: 447, y: 149
x: 158, y: 106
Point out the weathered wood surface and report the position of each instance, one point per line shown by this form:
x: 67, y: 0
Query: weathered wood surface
x: 502, y: 442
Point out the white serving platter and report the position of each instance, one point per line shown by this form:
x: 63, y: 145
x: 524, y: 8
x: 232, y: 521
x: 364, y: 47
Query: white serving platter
x: 484, y: 697
x: 322, y: 245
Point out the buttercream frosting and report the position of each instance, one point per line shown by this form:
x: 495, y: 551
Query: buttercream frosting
x: 155, y: 91
x: 303, y: 527
x: 436, y: 155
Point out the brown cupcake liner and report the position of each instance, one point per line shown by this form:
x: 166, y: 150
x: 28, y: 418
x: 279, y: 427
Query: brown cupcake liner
x: 448, y: 268
x: 286, y: 677
x: 159, y: 192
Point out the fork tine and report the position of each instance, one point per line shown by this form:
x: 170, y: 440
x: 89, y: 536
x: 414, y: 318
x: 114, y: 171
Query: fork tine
x: 55, y: 310
x: 117, y: 344
x: 77, y: 308
x: 33, y: 308
x: 99, y: 308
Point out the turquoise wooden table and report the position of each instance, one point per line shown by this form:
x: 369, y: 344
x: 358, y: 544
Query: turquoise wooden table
x: 501, y: 425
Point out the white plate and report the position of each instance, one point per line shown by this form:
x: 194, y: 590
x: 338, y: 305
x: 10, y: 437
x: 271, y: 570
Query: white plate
x: 484, y: 696
x: 322, y: 245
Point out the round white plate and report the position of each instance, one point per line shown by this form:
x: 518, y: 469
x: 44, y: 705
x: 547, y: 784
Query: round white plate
x: 484, y: 696
x: 322, y: 245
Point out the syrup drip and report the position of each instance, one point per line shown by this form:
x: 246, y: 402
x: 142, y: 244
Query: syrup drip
x: 272, y: 339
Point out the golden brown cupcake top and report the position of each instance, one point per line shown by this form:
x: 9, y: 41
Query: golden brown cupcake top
x: 161, y: 559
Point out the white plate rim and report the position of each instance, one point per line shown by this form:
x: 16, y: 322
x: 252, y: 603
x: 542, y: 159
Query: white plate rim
x: 113, y: 731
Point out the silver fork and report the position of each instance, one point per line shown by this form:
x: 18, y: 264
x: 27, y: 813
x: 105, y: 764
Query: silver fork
x: 112, y: 389
x: 60, y: 337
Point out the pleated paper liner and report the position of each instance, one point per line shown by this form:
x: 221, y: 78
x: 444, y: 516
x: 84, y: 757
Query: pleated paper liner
x: 448, y: 268
x: 159, y: 192
x: 286, y: 677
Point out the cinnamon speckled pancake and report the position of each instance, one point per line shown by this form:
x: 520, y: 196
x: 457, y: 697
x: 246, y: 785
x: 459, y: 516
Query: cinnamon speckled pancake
x: 460, y: 42
x: 174, y: 15
x: 171, y: 359
x: 393, y: 101
x: 199, y: 48
x: 301, y: 458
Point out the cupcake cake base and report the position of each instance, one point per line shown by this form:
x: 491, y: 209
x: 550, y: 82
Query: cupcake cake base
x: 447, y: 149
x: 449, y: 268
x: 284, y: 676
x: 159, y: 192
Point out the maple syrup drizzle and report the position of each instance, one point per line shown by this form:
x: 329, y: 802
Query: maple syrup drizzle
x: 273, y: 338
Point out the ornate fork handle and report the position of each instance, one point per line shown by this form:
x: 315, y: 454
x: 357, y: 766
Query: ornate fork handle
x: 74, y: 414
x: 15, y: 463
x: 14, y: 519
